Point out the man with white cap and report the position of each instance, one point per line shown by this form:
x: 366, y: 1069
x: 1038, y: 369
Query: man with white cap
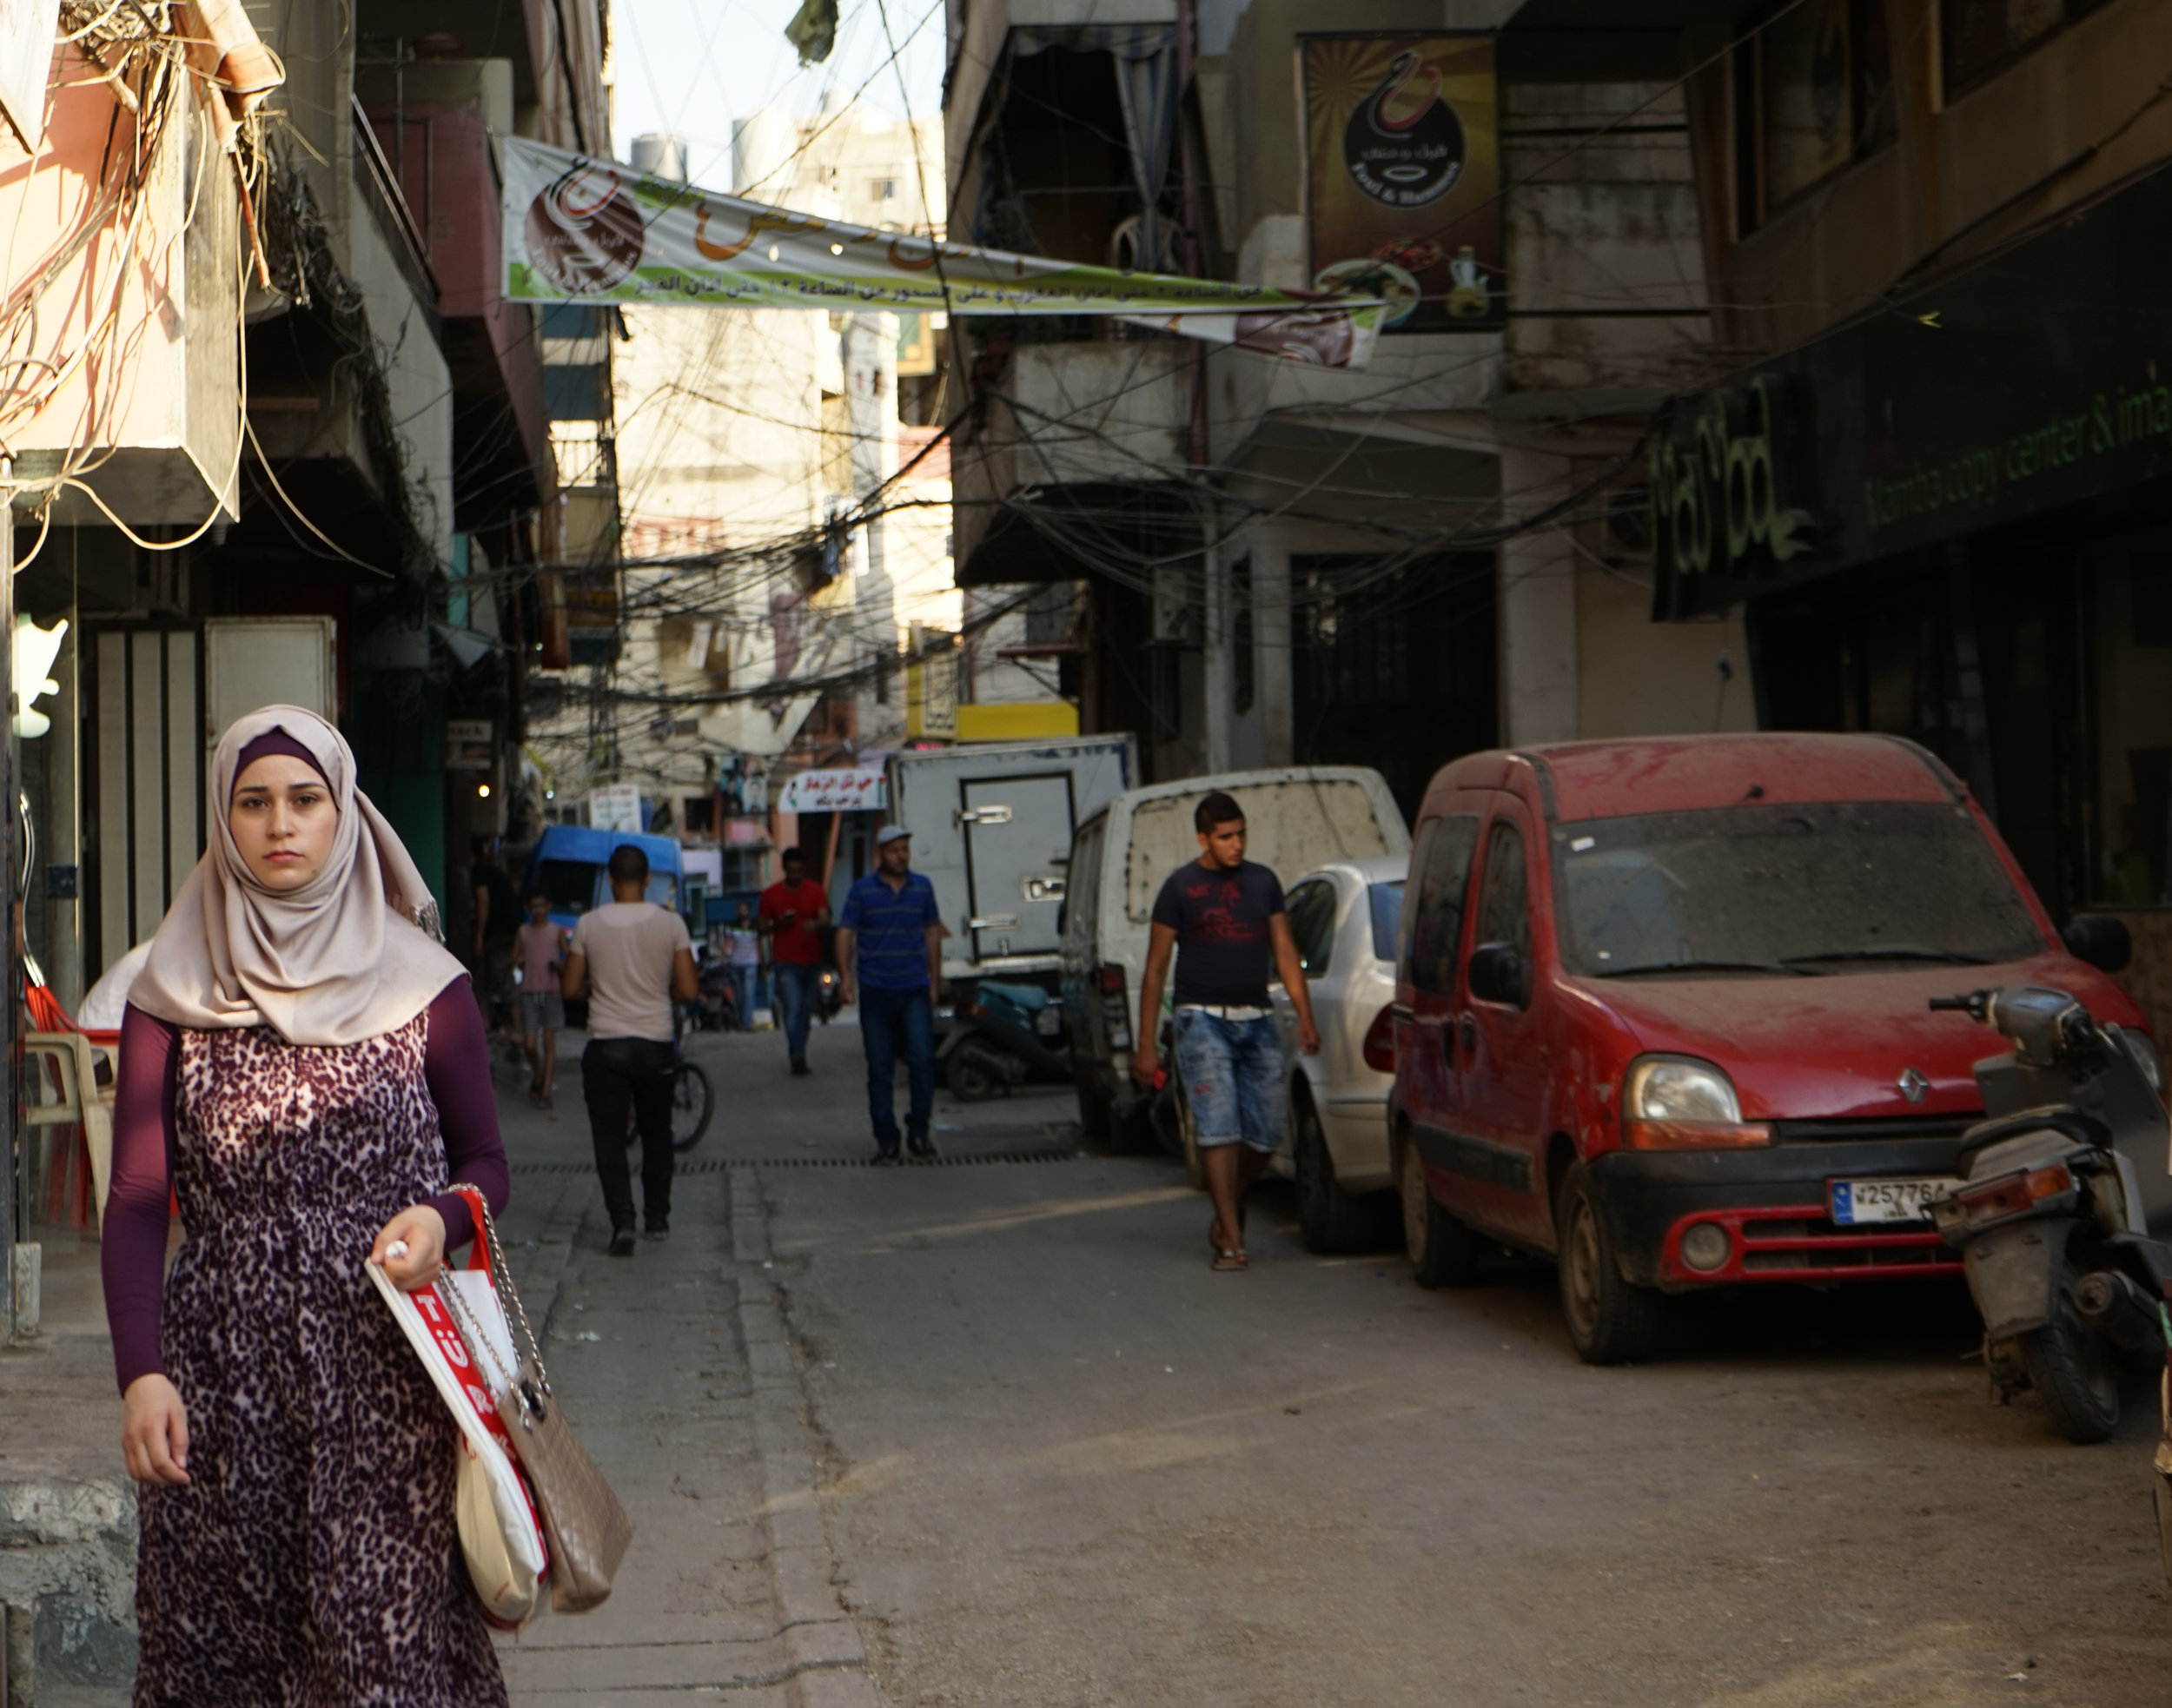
x: 891, y: 921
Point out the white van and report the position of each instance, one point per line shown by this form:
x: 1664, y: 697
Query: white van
x: 1296, y: 817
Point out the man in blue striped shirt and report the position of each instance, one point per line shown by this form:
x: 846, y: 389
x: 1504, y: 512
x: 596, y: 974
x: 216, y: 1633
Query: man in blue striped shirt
x: 891, y: 920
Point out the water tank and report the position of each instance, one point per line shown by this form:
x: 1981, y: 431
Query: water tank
x: 660, y: 155
x: 761, y: 145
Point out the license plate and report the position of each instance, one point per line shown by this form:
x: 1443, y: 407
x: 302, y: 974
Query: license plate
x: 1857, y: 1201
x: 1049, y: 1022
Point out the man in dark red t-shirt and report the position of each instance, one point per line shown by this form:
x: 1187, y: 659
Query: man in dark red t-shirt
x: 791, y: 916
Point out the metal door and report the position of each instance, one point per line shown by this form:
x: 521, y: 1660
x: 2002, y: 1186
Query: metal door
x: 1505, y: 1060
x: 1017, y: 841
x: 145, y: 828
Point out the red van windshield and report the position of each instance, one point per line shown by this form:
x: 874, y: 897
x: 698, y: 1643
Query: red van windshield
x: 1838, y: 887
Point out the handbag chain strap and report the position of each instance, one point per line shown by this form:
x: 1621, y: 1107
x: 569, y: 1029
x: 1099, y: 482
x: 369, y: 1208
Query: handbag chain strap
x: 485, y: 1349
x: 501, y: 1278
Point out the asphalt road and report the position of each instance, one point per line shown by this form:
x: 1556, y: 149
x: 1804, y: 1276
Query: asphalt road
x: 992, y: 1432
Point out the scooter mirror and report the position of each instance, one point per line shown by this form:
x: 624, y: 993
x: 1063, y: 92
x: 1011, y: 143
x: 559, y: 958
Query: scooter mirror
x: 2101, y: 939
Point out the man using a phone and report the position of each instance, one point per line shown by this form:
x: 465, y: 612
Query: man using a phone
x: 792, y: 917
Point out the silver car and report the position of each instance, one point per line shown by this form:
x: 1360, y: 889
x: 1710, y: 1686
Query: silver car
x: 1344, y: 917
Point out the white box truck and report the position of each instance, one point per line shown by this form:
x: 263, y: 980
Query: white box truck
x: 991, y: 827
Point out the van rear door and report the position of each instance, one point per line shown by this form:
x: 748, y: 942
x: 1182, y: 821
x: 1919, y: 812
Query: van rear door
x: 1017, y: 843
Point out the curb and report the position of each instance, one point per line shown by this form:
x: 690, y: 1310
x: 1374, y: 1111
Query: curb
x: 828, y: 1657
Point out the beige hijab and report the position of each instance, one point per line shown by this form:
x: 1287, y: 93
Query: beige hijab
x: 349, y: 955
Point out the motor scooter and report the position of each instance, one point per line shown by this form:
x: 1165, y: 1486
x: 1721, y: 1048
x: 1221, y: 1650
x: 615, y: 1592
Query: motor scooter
x: 2062, y: 1205
x: 1002, y: 1036
x: 716, y: 1009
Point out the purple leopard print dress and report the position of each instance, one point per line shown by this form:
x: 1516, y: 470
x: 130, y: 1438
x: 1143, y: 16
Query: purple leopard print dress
x: 309, y: 1563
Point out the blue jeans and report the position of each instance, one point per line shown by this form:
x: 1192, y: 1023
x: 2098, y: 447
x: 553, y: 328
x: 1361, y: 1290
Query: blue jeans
x: 1233, y: 1078
x: 743, y: 982
x: 795, y: 987
x: 891, y: 1022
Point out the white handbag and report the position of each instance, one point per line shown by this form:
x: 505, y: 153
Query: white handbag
x: 458, y: 1329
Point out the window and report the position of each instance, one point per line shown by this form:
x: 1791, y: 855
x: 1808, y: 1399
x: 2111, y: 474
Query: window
x: 1815, y: 92
x: 571, y: 885
x: 1082, y: 890
x: 1443, y: 865
x: 1504, y: 911
x: 1788, y: 892
x: 1386, y: 901
x: 1311, y: 907
x: 1980, y: 38
x: 883, y: 189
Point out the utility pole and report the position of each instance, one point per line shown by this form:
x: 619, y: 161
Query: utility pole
x: 1217, y: 625
x: 14, y: 1213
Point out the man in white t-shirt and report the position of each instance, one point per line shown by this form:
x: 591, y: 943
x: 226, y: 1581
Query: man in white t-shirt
x: 632, y: 960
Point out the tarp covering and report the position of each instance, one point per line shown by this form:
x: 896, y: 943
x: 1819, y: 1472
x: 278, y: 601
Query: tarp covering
x: 583, y: 230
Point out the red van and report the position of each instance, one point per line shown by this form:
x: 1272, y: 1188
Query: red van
x: 1661, y: 1013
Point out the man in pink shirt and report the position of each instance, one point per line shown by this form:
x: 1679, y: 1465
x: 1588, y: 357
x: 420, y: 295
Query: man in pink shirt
x: 538, y: 949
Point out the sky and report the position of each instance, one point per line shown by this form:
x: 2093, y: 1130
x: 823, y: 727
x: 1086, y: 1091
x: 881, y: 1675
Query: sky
x: 693, y: 66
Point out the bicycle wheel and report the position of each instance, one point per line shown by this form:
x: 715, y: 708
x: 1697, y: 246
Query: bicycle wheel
x: 692, y: 1104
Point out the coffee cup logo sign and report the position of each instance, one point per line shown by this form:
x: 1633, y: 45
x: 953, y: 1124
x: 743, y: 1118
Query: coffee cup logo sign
x: 584, y: 231
x: 1403, y: 145
x: 1722, y: 488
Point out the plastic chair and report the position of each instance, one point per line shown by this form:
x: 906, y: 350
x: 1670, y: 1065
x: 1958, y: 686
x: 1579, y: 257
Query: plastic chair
x: 74, y: 1068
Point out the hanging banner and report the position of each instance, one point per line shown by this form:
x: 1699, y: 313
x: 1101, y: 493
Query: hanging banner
x: 582, y: 230
x: 1403, y: 170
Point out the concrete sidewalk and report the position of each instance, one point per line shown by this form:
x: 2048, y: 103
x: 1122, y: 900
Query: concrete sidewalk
x: 675, y: 1366
x: 67, y: 1509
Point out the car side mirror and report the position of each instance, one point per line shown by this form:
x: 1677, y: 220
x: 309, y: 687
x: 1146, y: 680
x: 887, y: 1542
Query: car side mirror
x: 1498, y: 974
x: 2101, y: 939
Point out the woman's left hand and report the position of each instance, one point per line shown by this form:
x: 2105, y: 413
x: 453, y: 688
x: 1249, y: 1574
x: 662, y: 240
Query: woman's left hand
x: 421, y: 1230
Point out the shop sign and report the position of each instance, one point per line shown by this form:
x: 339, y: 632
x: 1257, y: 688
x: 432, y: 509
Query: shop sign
x: 2022, y: 386
x: 1730, y: 491
x: 616, y: 807
x: 855, y: 790
x: 469, y: 746
x: 1403, y: 175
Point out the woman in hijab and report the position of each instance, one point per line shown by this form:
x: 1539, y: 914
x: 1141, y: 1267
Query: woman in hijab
x: 304, y: 1067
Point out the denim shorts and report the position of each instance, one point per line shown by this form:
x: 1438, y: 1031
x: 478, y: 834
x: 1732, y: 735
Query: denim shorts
x: 542, y: 1011
x: 1233, y: 1079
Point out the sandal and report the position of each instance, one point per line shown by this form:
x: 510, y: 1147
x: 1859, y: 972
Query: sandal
x: 1227, y: 1260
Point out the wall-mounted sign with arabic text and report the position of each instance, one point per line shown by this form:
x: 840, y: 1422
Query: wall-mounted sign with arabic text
x: 1730, y: 491
x: 1403, y: 175
x: 834, y: 792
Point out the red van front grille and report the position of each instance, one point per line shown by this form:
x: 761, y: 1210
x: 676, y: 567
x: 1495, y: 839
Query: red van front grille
x: 1803, y: 1243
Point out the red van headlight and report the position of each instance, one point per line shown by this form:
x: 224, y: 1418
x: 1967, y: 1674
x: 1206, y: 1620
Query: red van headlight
x: 1677, y: 1103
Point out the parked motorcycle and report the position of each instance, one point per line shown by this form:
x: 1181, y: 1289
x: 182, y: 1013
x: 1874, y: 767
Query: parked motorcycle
x: 1002, y: 1036
x: 716, y: 1008
x: 2063, y: 1198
